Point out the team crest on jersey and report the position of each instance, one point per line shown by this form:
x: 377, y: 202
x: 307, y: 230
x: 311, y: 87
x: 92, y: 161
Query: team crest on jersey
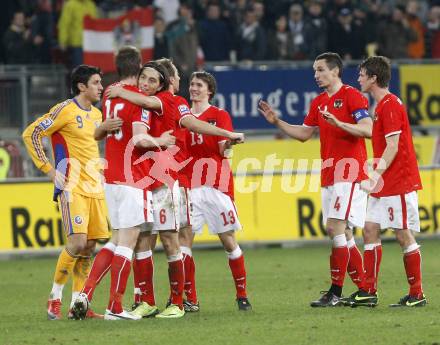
x: 78, y: 220
x: 212, y: 122
x: 337, y: 104
x: 184, y: 110
x: 145, y: 115
x: 45, y: 124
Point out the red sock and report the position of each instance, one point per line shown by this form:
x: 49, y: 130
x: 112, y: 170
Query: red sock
x: 338, y: 264
x: 177, y: 280
x: 143, y: 270
x: 136, y: 275
x: 239, y: 274
x: 100, y: 267
x: 412, y: 261
x: 190, y: 281
x: 355, y: 267
x: 120, y: 272
x: 372, y: 259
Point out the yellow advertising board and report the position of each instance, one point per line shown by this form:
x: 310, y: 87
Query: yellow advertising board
x: 271, y: 209
x: 419, y: 90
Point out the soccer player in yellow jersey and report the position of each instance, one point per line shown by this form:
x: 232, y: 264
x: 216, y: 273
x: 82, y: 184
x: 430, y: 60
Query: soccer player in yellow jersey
x: 76, y: 175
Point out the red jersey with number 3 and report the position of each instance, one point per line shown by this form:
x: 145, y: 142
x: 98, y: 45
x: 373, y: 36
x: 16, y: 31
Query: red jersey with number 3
x: 208, y: 166
x: 402, y: 176
x: 343, y: 154
x: 118, y: 171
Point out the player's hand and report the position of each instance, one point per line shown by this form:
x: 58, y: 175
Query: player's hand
x: 269, y: 114
x: 167, y: 139
x: 329, y: 117
x: 57, y: 178
x: 236, y: 138
x: 112, y: 124
x: 114, y: 91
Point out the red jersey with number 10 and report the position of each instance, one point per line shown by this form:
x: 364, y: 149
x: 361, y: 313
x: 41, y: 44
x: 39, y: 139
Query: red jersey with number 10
x: 208, y: 166
x: 402, y: 176
x: 343, y: 154
x: 118, y: 171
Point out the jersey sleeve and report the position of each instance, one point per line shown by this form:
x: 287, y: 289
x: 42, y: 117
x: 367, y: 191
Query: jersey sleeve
x: 357, y: 105
x: 391, y: 118
x: 183, y: 109
x: 224, y: 121
x: 44, y: 126
x: 311, y: 119
x: 141, y: 116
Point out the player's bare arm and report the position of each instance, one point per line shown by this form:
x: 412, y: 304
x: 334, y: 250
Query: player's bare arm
x: 384, y: 163
x: 301, y: 133
x: 143, y: 140
x: 364, y: 128
x: 147, y: 102
x: 202, y: 127
x: 109, y: 125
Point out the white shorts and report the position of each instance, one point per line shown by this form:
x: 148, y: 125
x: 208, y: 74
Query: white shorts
x: 345, y: 201
x: 185, y: 207
x: 214, y: 208
x: 166, y: 208
x: 395, y: 212
x: 128, y: 206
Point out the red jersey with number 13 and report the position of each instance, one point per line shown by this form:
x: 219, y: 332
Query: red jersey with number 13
x: 216, y: 171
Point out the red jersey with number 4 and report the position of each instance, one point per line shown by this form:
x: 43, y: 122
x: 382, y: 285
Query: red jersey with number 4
x: 118, y: 171
x: 402, y: 176
x: 208, y: 166
x: 343, y: 154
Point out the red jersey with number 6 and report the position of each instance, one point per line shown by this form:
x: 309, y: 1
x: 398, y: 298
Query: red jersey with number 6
x: 343, y: 154
x: 123, y: 158
x: 402, y: 176
x: 208, y: 166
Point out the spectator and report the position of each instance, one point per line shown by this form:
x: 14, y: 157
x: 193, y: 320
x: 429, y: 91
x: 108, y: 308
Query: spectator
x: 432, y: 38
x: 70, y: 28
x: 416, y: 49
x: 395, y: 34
x: 42, y: 32
x: 160, y: 39
x: 280, y: 41
x: 346, y: 38
x: 251, y: 38
x: 17, y: 41
x: 215, y: 36
x: 315, y: 31
x: 183, y: 44
x: 296, y: 27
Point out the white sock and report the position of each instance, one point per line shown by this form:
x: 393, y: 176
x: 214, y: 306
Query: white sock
x: 125, y: 252
x: 235, y: 254
x: 57, y: 291
x: 411, y: 248
x: 143, y: 255
x: 176, y: 257
x: 351, y: 243
x: 339, y: 241
x: 186, y: 250
x: 75, y: 294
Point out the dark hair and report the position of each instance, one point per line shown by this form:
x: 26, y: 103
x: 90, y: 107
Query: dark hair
x: 128, y: 59
x: 164, y: 77
x: 82, y: 74
x: 379, y: 66
x: 332, y: 60
x: 168, y: 65
x: 209, y: 79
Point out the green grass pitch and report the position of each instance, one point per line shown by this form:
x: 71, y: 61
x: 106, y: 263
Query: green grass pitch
x: 281, y: 284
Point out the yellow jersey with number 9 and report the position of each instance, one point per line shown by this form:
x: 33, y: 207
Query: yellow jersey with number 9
x: 76, y: 154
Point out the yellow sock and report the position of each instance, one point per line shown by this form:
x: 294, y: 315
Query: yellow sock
x: 81, y: 271
x: 64, y: 267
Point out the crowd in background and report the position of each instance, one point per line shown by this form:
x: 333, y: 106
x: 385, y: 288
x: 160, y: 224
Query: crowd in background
x: 50, y: 31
